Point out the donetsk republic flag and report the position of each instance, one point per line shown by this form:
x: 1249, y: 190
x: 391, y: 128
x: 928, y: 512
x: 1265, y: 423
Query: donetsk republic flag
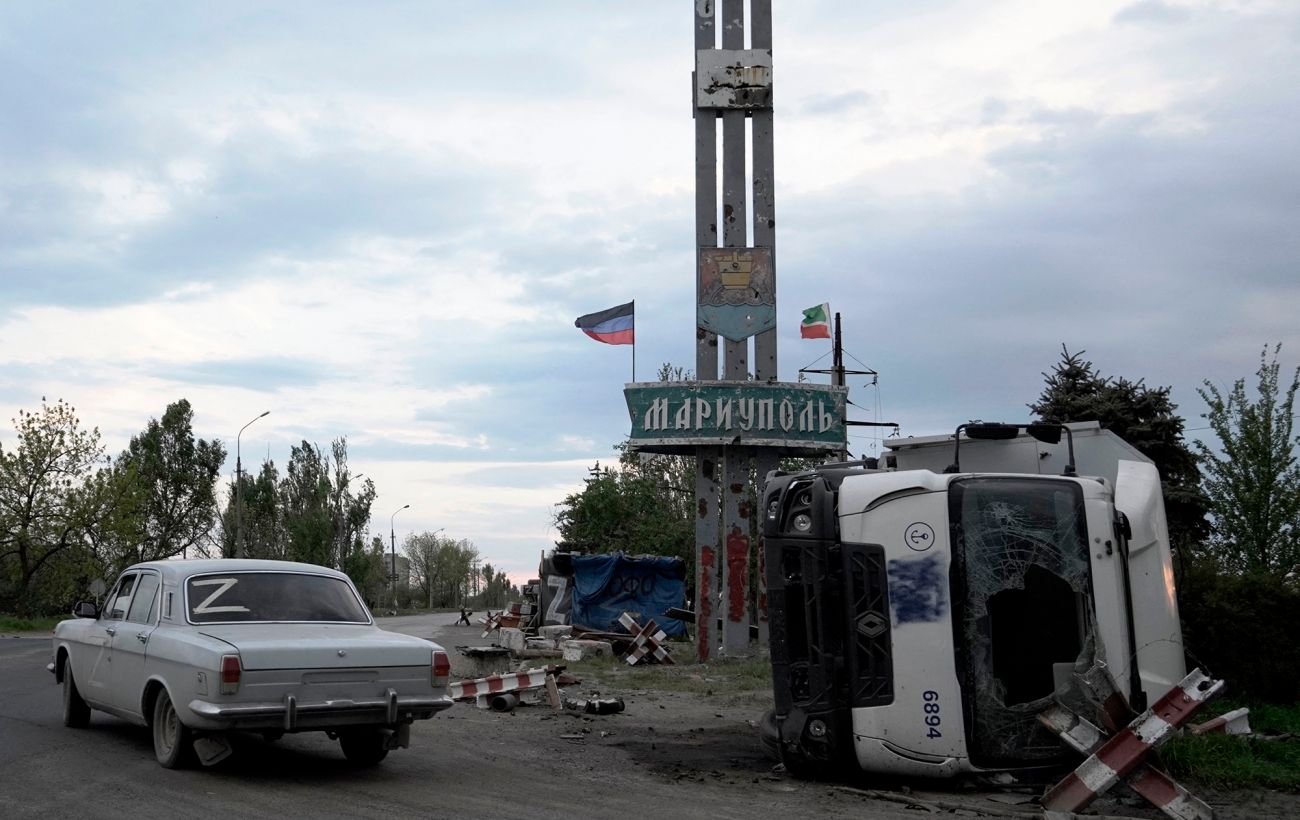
x: 616, y: 326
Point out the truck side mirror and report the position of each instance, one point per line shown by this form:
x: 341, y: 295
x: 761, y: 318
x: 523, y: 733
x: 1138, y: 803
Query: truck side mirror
x: 85, y: 609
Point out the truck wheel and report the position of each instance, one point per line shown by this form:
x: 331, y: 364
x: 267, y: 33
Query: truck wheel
x: 171, y: 738
x: 363, y: 747
x: 76, y: 713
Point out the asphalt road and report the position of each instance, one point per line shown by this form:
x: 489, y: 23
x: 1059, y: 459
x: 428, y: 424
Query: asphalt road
x: 465, y: 763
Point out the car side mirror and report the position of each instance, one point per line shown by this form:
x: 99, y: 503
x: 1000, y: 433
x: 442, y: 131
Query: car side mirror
x: 85, y: 609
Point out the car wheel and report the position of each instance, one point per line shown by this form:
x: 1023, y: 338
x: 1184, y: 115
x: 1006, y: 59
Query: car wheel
x: 76, y: 713
x: 171, y: 738
x: 363, y: 747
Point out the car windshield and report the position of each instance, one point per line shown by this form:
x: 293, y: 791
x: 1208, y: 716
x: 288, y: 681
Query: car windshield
x: 272, y: 596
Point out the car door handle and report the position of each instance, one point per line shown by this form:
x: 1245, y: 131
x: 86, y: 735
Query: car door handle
x: 142, y: 637
x: 112, y: 630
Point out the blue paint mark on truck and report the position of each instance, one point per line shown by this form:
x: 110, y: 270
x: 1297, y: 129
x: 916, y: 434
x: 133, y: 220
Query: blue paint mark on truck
x: 918, y: 590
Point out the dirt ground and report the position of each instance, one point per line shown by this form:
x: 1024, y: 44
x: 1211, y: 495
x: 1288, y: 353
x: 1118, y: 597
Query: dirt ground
x: 687, y: 744
x: 697, y: 726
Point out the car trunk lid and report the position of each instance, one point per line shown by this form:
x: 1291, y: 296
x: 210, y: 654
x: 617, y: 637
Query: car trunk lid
x: 320, y: 646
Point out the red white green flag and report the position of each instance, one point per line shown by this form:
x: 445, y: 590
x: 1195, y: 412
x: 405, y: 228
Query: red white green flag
x: 816, y: 322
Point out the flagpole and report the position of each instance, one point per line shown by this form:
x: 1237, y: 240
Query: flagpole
x: 634, y: 341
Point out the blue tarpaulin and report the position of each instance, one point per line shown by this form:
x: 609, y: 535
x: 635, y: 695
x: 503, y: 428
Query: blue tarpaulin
x: 606, y: 586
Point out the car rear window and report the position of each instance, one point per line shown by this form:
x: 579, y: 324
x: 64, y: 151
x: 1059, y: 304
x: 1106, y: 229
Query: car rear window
x: 271, y: 596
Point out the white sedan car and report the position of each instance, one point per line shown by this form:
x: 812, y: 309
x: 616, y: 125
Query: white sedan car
x: 193, y: 649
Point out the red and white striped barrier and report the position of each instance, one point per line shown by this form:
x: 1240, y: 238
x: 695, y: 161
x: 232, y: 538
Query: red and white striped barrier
x: 491, y: 623
x: 1236, y: 722
x: 646, y: 641
x: 497, y: 684
x: 1155, y: 786
x: 1123, y: 754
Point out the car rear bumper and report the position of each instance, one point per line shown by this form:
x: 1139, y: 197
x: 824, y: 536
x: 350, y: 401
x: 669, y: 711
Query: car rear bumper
x: 292, y: 715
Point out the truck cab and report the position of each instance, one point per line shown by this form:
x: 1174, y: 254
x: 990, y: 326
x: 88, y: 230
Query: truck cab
x: 921, y: 619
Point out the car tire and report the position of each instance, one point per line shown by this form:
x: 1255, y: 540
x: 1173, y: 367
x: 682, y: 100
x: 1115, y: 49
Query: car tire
x: 172, y: 740
x: 76, y: 712
x: 363, y: 747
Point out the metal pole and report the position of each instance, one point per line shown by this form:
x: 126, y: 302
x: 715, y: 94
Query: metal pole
x: 735, y: 557
x: 707, y: 459
x: 392, y: 567
x: 239, y: 491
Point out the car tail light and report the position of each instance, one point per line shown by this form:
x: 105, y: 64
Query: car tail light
x: 441, y: 667
x: 230, y: 672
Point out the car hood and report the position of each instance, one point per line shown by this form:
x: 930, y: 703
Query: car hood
x: 320, y: 646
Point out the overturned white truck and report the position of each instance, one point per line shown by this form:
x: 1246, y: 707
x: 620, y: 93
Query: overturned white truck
x: 924, y: 612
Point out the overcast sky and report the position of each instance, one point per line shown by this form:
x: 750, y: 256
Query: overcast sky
x: 380, y: 220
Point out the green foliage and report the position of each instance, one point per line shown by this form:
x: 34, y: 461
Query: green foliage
x: 42, y: 501
x: 1241, y: 628
x: 645, y: 506
x: 1234, y: 762
x: 159, y: 499
x: 642, y: 507
x: 37, y: 624
x: 497, y: 590
x: 1254, y: 483
x: 318, y: 512
x: 309, y: 519
x: 441, y: 568
x: 1142, y: 416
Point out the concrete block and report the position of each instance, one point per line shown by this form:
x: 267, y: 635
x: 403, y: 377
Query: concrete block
x: 556, y: 634
x: 512, y: 639
x: 577, y: 650
x: 471, y: 662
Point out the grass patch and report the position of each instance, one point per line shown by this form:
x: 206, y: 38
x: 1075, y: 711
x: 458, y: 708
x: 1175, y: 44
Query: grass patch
x: 8, y: 623
x: 1235, y: 762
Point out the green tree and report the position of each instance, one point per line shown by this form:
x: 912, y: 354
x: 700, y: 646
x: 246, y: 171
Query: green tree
x: 1145, y: 418
x: 352, y: 511
x: 42, y: 497
x: 642, y: 507
x: 167, y: 500
x: 368, y: 569
x: 318, y: 512
x: 309, y: 519
x: 442, y: 568
x: 497, y: 589
x: 1253, y: 481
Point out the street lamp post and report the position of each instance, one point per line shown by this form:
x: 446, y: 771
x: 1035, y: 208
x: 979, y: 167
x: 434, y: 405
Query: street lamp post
x: 239, y: 492
x: 392, y: 569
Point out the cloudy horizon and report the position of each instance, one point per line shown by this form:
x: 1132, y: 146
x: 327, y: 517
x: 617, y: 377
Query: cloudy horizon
x: 379, y: 222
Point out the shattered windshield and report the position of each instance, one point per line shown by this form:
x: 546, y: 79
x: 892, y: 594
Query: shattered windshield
x: 1022, y: 550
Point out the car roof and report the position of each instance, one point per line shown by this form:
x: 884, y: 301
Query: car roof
x: 184, y: 568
